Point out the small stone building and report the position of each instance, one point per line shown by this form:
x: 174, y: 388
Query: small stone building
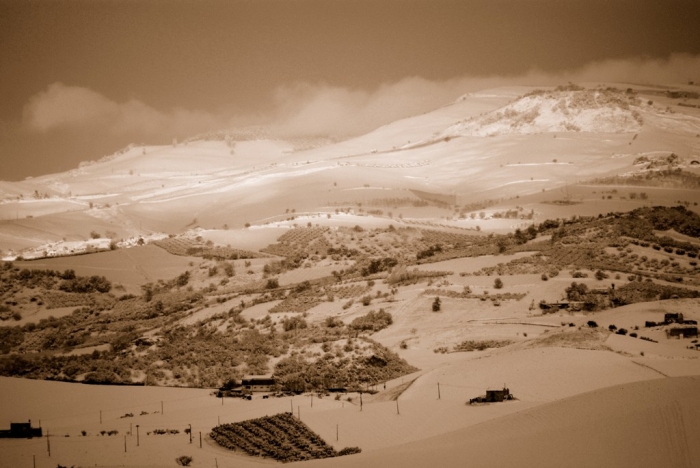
x: 497, y: 395
x: 21, y: 431
x: 671, y: 317
x: 493, y: 396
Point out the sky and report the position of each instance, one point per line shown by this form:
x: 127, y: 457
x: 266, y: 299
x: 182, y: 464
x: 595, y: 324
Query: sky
x: 82, y: 79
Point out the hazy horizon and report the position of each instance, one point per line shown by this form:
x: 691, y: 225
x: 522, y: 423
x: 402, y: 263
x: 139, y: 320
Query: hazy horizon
x: 80, y: 80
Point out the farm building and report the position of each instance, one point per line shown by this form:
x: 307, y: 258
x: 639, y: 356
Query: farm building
x: 496, y: 395
x: 21, y: 431
x: 493, y: 396
x: 259, y: 383
x: 673, y: 318
x: 682, y: 332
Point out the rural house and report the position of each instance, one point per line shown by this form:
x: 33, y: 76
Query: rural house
x: 259, y: 383
x: 21, y: 431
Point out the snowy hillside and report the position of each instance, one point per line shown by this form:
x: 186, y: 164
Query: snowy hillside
x: 565, y: 109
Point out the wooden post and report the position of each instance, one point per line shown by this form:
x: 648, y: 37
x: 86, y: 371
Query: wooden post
x: 131, y: 429
x: 222, y: 399
x: 397, y: 406
x: 137, y: 435
x: 161, y: 407
x: 299, y: 412
x: 48, y: 442
x: 336, y: 433
x: 124, y: 444
x: 438, y: 390
x: 217, y: 462
x: 360, y: 401
x: 312, y: 400
x: 190, y: 432
x: 34, y: 459
x: 200, y: 439
x: 291, y: 403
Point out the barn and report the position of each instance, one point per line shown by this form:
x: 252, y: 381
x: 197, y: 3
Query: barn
x: 259, y: 383
x: 21, y: 431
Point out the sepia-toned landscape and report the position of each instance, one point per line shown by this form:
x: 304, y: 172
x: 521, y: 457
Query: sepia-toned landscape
x: 507, y: 279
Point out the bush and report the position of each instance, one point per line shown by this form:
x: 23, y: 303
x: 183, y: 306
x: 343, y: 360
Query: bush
x: 349, y: 451
x: 498, y: 283
x: 272, y: 283
x: 600, y: 275
x: 374, y: 321
x: 436, y: 304
x: 293, y: 323
x: 184, y: 460
x: 592, y: 324
x: 545, y: 277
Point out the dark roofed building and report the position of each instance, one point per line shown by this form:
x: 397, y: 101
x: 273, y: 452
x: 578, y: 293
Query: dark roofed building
x: 21, y: 431
x: 259, y: 383
x: 682, y: 332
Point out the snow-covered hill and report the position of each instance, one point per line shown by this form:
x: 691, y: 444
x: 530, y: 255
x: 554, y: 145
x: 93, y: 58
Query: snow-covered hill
x: 565, y: 109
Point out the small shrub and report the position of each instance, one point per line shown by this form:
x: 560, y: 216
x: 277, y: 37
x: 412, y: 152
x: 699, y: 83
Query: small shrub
x: 349, y: 451
x: 592, y: 324
x: 184, y: 460
x: 498, y: 283
x: 437, y: 304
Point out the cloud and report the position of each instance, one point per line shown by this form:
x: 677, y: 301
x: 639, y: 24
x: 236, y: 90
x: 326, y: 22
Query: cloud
x: 305, y: 109
x: 62, y: 107
x: 322, y: 109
